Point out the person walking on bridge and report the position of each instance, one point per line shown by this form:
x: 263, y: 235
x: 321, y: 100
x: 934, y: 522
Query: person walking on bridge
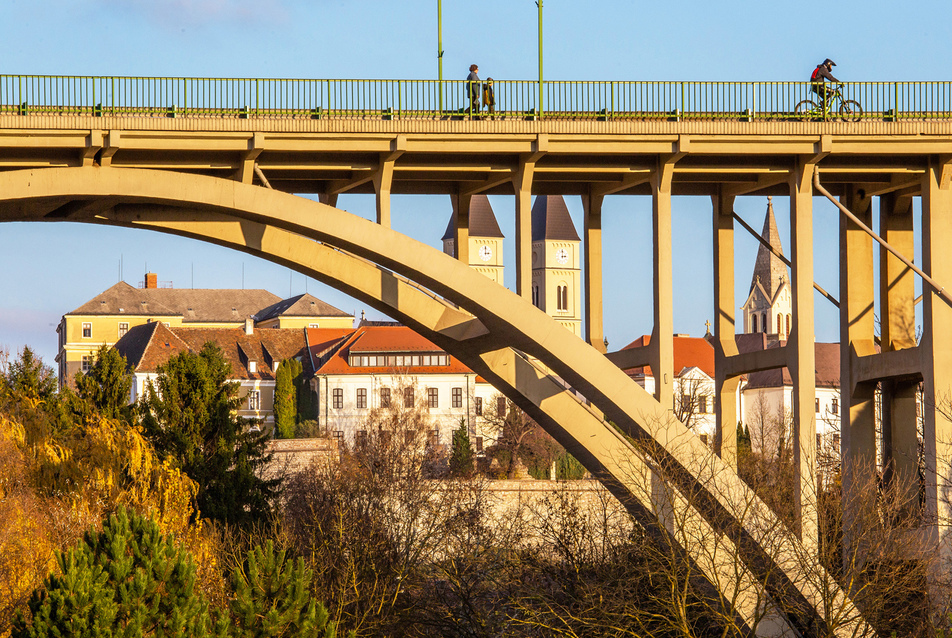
x: 473, y: 85
x: 821, y: 74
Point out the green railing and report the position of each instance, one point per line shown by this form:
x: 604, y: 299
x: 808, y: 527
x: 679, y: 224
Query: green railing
x: 421, y: 99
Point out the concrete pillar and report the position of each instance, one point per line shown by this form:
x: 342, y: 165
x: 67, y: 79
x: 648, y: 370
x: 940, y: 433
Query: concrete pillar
x: 522, y: 184
x: 461, y: 226
x: 725, y: 388
x: 594, y: 332
x: 898, y: 332
x: 661, y: 347
x: 801, y: 357
x: 328, y: 198
x: 858, y: 413
x: 383, y: 179
x: 936, y: 348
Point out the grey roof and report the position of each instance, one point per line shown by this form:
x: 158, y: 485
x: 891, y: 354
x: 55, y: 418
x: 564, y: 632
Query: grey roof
x: 305, y: 305
x: 482, y: 219
x: 193, y: 305
x: 768, y: 269
x: 551, y: 220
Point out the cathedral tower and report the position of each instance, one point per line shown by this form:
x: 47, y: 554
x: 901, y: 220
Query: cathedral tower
x: 485, y: 238
x: 769, y: 304
x: 556, y: 274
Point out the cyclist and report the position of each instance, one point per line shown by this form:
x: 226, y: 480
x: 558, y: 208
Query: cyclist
x: 821, y: 74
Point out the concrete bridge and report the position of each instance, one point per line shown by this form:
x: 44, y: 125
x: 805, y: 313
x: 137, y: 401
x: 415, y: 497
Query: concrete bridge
x: 226, y: 170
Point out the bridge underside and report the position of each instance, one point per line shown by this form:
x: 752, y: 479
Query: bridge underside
x: 158, y: 174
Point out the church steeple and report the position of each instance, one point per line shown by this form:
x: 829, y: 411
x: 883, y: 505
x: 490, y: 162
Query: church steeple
x: 768, y: 269
x: 485, y: 238
x: 769, y: 304
x: 556, y: 274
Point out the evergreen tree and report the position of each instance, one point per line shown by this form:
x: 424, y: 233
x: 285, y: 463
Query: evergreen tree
x: 28, y: 377
x: 191, y: 418
x: 461, y: 455
x: 106, y: 386
x: 285, y: 397
x: 272, y: 598
x: 127, y: 580
x: 743, y: 438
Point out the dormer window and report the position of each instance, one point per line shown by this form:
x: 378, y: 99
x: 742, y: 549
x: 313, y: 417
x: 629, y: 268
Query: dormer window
x: 252, y: 367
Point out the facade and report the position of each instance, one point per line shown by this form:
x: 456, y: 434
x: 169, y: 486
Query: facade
x: 378, y: 367
x: 106, y: 318
x: 485, y: 239
x: 253, y: 353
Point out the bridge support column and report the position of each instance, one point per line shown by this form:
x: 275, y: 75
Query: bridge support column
x: 898, y: 332
x: 858, y: 415
x: 522, y: 184
x: 461, y: 227
x: 328, y: 198
x: 661, y: 347
x: 725, y: 345
x: 937, y: 353
x: 594, y: 307
x: 383, y: 179
x: 801, y: 354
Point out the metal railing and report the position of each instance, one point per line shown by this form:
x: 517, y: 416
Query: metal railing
x: 432, y: 99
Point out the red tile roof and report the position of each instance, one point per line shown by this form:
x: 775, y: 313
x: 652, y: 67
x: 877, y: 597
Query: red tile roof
x: 376, y: 339
x: 689, y: 352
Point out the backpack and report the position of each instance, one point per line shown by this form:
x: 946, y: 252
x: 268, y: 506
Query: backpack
x: 815, y: 75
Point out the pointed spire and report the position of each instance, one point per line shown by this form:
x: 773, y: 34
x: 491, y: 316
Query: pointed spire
x: 551, y: 220
x: 769, y: 271
x: 482, y: 219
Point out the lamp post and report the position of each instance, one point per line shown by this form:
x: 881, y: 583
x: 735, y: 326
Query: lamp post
x: 539, y: 4
x: 439, y: 48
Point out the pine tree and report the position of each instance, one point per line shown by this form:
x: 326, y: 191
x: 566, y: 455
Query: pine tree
x: 127, y: 580
x: 191, y: 419
x: 272, y: 598
x: 106, y: 386
x: 285, y: 397
x: 743, y: 438
x: 461, y: 456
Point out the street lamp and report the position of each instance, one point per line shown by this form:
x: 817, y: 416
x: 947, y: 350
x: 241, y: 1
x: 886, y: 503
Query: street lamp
x: 539, y: 4
x: 439, y: 47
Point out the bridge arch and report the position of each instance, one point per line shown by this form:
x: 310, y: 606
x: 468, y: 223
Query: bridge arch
x: 665, y: 476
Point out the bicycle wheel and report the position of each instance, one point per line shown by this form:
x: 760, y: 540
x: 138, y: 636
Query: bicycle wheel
x: 806, y: 110
x: 851, y: 111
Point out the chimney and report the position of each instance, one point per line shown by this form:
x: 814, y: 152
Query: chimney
x: 151, y: 280
x: 249, y: 326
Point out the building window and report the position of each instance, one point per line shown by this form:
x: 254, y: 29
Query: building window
x: 686, y: 406
x: 763, y: 323
x: 457, y: 397
x: 562, y: 294
x: 339, y: 437
x: 501, y: 407
x: 338, y: 396
x: 817, y: 406
x: 479, y: 406
x: 432, y: 397
x: 753, y: 323
x: 702, y: 405
x: 311, y: 325
x: 434, y: 437
x: 835, y: 406
x: 408, y: 399
x: 87, y: 331
x: 779, y: 324
x: 254, y: 400
x: 535, y: 296
x: 479, y: 445
x: 384, y: 397
x: 123, y: 328
x: 88, y: 361
x: 788, y: 324
x: 361, y: 398
x: 361, y: 438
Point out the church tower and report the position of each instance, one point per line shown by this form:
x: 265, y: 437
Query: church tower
x: 485, y: 238
x: 768, y: 307
x: 556, y: 274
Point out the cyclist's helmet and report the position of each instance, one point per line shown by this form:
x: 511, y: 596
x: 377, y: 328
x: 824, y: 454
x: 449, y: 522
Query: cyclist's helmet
x: 829, y: 62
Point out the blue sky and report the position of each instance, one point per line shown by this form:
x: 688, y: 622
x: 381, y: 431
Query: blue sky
x: 50, y: 269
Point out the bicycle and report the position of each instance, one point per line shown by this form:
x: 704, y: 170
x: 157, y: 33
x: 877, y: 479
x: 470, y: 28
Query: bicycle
x: 848, y: 110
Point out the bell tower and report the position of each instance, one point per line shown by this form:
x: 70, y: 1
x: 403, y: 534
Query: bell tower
x: 769, y: 304
x: 485, y: 238
x: 556, y: 270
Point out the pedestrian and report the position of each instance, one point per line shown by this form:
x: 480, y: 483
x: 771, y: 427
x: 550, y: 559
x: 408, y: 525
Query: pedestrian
x: 473, y: 86
x: 489, y: 97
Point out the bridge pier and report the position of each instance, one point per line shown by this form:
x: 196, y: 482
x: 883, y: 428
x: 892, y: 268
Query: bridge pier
x: 725, y: 344
x: 661, y: 346
x: 594, y: 330
x: 936, y: 349
x: 801, y: 354
x: 461, y: 227
x: 522, y: 185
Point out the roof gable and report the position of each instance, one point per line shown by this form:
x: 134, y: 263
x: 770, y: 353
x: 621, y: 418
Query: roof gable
x: 304, y: 305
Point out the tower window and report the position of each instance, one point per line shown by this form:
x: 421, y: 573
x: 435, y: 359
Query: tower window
x: 562, y: 293
x: 780, y: 324
x: 753, y: 323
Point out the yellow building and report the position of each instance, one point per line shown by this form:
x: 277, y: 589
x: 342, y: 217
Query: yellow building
x: 107, y: 317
